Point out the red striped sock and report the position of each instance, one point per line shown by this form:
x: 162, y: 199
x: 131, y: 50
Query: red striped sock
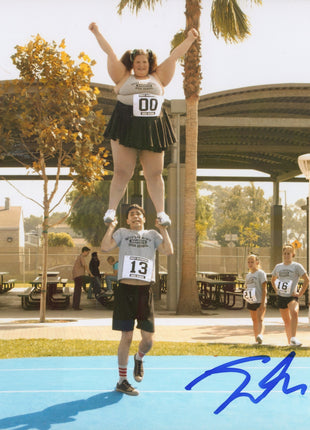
x: 122, y: 371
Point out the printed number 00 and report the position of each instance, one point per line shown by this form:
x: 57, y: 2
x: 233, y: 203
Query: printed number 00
x: 147, y: 104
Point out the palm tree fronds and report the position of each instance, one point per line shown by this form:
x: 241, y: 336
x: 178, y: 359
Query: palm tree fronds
x: 135, y: 5
x: 228, y: 20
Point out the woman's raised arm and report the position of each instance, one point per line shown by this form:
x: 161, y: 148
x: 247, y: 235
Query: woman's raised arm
x: 166, y: 69
x: 116, y: 68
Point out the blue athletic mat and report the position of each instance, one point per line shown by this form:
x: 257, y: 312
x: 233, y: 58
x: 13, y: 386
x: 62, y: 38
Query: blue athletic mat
x: 176, y: 394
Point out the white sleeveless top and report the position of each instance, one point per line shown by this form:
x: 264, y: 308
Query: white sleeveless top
x: 138, y: 86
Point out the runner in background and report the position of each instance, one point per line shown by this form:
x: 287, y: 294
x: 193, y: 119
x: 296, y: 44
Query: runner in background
x: 285, y: 277
x: 256, y: 296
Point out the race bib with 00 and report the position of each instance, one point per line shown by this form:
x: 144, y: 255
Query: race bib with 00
x: 135, y: 267
x: 284, y: 287
x: 145, y: 105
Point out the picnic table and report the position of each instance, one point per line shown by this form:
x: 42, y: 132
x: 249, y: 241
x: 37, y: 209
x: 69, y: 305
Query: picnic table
x: 6, y: 285
x: 215, y: 292
x: 2, y: 276
x: 57, y: 293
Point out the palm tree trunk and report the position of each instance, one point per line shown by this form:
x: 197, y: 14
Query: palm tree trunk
x: 188, y: 299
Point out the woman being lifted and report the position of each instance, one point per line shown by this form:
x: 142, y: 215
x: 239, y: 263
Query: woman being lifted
x: 139, y: 123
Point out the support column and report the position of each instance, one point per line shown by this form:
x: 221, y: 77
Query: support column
x: 276, y: 235
x: 276, y: 227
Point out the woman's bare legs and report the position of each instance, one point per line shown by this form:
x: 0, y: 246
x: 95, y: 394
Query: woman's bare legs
x: 293, y: 307
x: 124, y: 162
x: 152, y: 164
x: 285, y: 314
x: 258, y: 322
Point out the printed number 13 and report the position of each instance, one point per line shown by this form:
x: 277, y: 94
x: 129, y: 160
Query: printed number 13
x: 142, y: 267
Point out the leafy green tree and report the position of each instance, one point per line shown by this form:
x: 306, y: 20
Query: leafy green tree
x: 60, y: 239
x: 47, y: 118
x: 242, y: 211
x: 86, y: 216
x: 295, y: 222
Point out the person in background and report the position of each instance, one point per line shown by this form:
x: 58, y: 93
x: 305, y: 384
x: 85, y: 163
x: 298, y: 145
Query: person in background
x: 139, y: 124
x: 256, y: 295
x: 285, y: 277
x: 133, y: 299
x: 79, y: 274
x: 113, y: 277
x: 95, y: 284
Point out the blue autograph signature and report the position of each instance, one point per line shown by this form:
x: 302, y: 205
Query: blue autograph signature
x: 267, y: 383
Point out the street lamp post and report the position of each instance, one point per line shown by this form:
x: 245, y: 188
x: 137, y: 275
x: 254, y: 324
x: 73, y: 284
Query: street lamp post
x: 304, y: 165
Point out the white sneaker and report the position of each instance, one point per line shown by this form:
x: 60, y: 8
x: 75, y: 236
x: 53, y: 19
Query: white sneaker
x: 109, y: 216
x: 295, y: 342
x: 259, y: 339
x: 164, y: 219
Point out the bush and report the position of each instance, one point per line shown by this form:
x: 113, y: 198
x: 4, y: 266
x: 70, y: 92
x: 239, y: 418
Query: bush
x: 60, y: 239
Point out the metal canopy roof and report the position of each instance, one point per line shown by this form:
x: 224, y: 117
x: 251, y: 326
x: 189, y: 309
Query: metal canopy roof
x: 263, y: 128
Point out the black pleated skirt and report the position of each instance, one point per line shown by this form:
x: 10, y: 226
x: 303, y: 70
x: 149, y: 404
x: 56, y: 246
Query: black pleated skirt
x: 153, y: 134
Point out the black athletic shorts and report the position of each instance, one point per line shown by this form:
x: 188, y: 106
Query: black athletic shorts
x: 253, y: 306
x: 284, y: 301
x: 133, y: 302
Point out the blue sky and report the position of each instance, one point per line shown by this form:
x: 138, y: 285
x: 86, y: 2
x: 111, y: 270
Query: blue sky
x: 275, y: 53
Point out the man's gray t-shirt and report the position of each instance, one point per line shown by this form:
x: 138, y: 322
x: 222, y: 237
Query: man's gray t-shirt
x: 137, y: 251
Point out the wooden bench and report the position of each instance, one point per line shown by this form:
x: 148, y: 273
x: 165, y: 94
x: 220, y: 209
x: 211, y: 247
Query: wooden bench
x: 67, y: 294
x: 27, y: 300
x: 233, y: 299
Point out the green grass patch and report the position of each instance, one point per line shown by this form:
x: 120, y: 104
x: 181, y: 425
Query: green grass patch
x: 21, y: 348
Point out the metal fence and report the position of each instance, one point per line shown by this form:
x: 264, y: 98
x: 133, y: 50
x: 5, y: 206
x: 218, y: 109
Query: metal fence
x: 26, y: 264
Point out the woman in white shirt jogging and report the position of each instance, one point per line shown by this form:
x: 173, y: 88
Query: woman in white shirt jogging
x: 285, y: 277
x: 255, y: 295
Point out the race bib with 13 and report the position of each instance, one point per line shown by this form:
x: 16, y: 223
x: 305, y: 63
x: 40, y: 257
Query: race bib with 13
x: 135, y: 267
x: 145, y: 105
